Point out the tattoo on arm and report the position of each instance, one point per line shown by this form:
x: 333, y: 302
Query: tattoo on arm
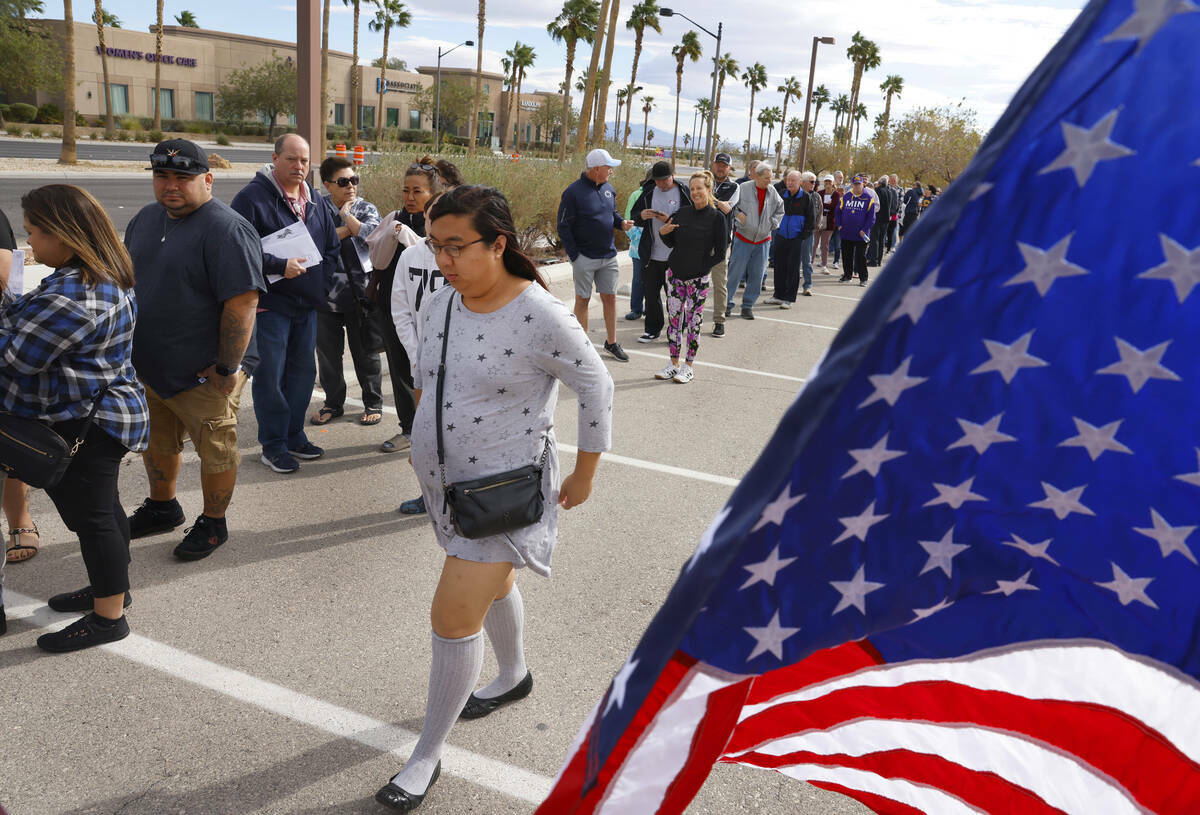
x: 237, y: 323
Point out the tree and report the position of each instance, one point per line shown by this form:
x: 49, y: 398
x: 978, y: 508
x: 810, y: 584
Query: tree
x: 892, y: 86
x: 521, y: 57
x: 67, y: 154
x: 763, y: 117
x: 394, y: 63
x: 688, y: 48
x: 158, y: 35
x: 589, y: 91
x: 726, y: 67
x: 604, y: 78
x: 820, y: 97
x: 790, y: 87
x: 864, y: 55
x: 794, y: 130
x: 99, y: 18
x: 704, y: 108
x: 186, y: 19
x: 549, y: 118
x: 268, y: 88
x: 754, y: 78
x: 647, y: 106
x: 576, y: 21
x: 29, y: 59
x: 643, y: 16
x: 456, y: 103
x: 391, y: 14
x: 355, y: 71
x: 319, y: 149
x: 933, y: 143
x: 109, y: 19
x: 621, y: 94
x: 859, y: 115
x: 480, y: 20
x: 840, y: 107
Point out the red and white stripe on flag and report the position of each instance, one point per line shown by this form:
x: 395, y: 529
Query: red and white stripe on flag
x: 1052, y: 727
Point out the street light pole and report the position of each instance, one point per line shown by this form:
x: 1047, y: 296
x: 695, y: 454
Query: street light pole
x: 812, y: 68
x: 437, y: 95
x: 666, y: 12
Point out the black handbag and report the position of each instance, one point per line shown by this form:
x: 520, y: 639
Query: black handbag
x: 495, y: 504
x: 31, y: 451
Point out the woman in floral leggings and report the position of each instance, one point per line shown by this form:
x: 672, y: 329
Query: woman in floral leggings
x: 697, y: 235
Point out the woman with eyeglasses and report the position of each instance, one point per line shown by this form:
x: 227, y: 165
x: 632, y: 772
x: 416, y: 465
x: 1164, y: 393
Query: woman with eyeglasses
x: 64, y: 347
x: 349, y: 317
x: 510, y: 342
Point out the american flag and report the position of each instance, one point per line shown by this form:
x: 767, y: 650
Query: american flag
x: 962, y: 577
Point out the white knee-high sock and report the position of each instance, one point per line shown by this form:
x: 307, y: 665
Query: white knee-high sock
x: 452, y: 674
x: 505, y: 627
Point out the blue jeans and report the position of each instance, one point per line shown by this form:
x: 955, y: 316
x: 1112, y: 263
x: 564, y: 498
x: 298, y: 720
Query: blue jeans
x: 283, y: 382
x: 749, y: 261
x: 835, y: 245
x: 806, y: 259
x: 635, y: 289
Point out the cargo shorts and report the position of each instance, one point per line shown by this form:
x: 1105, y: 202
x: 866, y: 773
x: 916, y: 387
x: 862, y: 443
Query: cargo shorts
x: 203, y: 414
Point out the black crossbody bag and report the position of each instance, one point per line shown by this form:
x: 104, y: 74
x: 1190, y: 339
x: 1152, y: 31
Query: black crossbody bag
x: 31, y: 451
x: 495, y: 504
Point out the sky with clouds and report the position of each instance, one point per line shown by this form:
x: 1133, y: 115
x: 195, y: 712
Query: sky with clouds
x: 947, y: 51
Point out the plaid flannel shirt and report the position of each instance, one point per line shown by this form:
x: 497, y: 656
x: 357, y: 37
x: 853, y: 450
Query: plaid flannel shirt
x: 64, y: 341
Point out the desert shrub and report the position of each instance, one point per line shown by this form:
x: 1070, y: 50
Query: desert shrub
x: 80, y: 120
x: 197, y: 127
x: 35, y: 132
x: 5, y: 110
x: 94, y: 136
x: 154, y: 136
x: 21, y: 112
x: 49, y: 114
x: 223, y: 140
x: 131, y: 123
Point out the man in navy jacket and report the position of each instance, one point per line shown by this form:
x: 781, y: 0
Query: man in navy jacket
x: 286, y: 327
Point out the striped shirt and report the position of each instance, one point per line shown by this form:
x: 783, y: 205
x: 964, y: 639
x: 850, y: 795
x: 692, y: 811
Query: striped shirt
x: 64, y: 341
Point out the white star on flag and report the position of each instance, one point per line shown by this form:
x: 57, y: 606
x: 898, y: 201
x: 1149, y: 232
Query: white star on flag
x: 981, y: 190
x: 857, y: 526
x: 981, y: 436
x: 1148, y: 17
x: 706, y: 540
x: 769, y: 638
x: 619, y: 683
x: 1169, y: 538
x: 766, y: 570
x: 1032, y: 549
x: 1192, y: 478
x: 774, y: 512
x: 1006, y: 360
x: 871, y: 458
x: 1044, y: 266
x: 1096, y: 440
x: 942, y: 553
x: 922, y: 613
x: 1182, y: 267
x: 1010, y: 587
x: 1128, y: 588
x: 1086, y: 147
x: 1062, y: 502
x: 855, y: 590
x: 918, y: 298
x: 954, y: 496
x: 888, y: 387
x: 1138, y: 366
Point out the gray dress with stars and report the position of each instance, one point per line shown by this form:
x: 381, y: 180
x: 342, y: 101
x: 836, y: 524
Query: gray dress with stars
x: 502, y: 375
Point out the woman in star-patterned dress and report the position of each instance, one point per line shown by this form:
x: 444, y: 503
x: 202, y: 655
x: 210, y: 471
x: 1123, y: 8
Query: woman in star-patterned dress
x: 509, y: 345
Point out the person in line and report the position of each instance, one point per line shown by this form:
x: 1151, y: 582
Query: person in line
x: 931, y: 194
x: 348, y: 316
x: 831, y: 197
x: 835, y: 242
x: 697, y: 235
x: 496, y: 398
x: 878, y: 233
x: 725, y: 198
x: 198, y: 268
x: 661, y: 198
x: 912, y: 207
x: 749, y: 176
x: 893, y: 235
x: 286, y: 330
x: 801, y: 212
x: 587, y: 220
x: 65, y: 348
x: 757, y: 214
x: 637, y: 304
x: 856, y: 218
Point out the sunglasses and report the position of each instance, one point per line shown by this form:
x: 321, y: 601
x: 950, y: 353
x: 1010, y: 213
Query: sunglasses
x: 346, y: 181
x: 427, y: 167
x: 185, y: 164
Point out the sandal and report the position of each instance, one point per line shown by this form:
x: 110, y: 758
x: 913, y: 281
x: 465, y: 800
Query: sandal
x: 370, y: 417
x: 326, y: 415
x: 17, y: 551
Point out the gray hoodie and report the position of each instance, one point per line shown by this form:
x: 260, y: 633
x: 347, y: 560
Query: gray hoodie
x: 757, y: 227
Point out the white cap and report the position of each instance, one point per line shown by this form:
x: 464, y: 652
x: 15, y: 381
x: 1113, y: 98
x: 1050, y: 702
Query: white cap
x: 827, y: 178
x: 601, y: 158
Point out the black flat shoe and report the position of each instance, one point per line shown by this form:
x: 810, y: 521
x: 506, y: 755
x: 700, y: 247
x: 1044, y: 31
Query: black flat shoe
x: 402, y: 800
x: 86, y: 632
x: 477, y: 708
x: 81, y: 600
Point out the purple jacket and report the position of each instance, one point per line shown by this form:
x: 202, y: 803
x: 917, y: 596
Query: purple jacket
x: 857, y: 215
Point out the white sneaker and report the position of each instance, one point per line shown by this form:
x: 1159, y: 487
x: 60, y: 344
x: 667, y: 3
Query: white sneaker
x: 684, y: 374
x: 669, y: 372
x: 772, y: 301
x: 785, y: 304
x: 835, y: 265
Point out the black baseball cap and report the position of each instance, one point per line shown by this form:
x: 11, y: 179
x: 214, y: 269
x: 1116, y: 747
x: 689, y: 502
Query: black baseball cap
x: 725, y: 157
x: 661, y: 169
x: 179, y: 156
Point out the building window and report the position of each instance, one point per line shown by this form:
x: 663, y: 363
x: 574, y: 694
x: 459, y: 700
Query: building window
x: 166, y: 102
x: 204, y: 106
x: 484, y: 132
x: 393, y: 117
x: 366, y: 116
x: 414, y: 120
x: 292, y: 120
x: 339, y: 113
x: 120, y: 98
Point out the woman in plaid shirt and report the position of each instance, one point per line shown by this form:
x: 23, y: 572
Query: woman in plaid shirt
x: 61, y: 346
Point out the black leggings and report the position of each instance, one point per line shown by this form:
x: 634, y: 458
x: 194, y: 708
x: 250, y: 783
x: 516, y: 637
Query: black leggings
x: 88, y: 502
x: 397, y: 358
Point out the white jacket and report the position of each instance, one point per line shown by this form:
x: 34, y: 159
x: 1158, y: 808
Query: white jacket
x: 417, y: 278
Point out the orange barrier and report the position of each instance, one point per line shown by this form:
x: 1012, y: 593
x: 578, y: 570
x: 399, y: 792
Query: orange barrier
x: 360, y: 154
x: 339, y: 150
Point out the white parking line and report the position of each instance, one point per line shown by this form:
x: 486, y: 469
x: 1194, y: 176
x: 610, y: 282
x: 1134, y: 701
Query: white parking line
x: 515, y: 782
x: 799, y: 379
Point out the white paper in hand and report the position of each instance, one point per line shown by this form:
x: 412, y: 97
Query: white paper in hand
x: 293, y: 241
x: 16, y: 276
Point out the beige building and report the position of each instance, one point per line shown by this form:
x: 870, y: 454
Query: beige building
x: 196, y: 62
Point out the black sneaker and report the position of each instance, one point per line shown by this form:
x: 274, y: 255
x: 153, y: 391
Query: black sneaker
x: 647, y: 337
x: 719, y: 330
x: 280, y: 462
x: 81, y: 600
x: 616, y: 350
x: 202, y: 539
x: 85, y: 632
x: 153, y: 517
x: 747, y: 313
x: 307, y: 451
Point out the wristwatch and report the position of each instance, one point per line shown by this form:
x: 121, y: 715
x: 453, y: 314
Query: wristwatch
x: 223, y: 371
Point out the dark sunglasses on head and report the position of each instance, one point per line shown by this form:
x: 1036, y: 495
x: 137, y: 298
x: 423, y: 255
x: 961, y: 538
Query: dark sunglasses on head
x: 186, y: 164
x: 346, y: 181
x: 428, y: 167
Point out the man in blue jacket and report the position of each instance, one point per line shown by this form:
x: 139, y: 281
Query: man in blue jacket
x: 286, y: 328
x: 587, y: 217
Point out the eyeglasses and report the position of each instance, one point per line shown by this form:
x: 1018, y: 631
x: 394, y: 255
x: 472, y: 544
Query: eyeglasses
x: 186, y: 164
x: 346, y: 181
x: 452, y: 250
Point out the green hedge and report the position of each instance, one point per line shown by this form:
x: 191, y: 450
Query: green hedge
x: 21, y: 112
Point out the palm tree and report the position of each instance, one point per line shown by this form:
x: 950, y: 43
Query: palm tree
x: 892, y: 86
x: 581, y: 85
x: 99, y: 18
x: 841, y: 107
x: 319, y: 149
x: 864, y: 54
x: 111, y: 20
x: 726, y: 66
x: 66, y: 154
x: 186, y: 19
x: 647, y: 106
x: 859, y: 115
x: 688, y: 48
x: 355, y: 72
x: 577, y: 21
x: 589, y: 91
x: 643, y: 16
x: 704, y: 108
x: 474, y: 128
x: 794, y: 130
x: 521, y: 57
x: 790, y: 87
x: 603, y: 79
x: 820, y: 97
x: 773, y: 118
x: 755, y: 78
x: 158, y: 35
x: 391, y: 14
